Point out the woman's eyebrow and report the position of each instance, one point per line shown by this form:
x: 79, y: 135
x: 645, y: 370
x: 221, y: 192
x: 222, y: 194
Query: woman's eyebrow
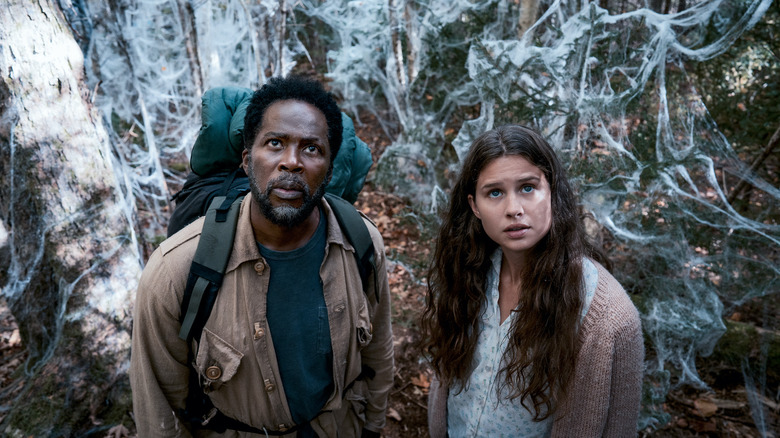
x: 521, y: 180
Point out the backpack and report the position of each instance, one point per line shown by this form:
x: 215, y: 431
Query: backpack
x: 216, y: 158
x: 218, y: 183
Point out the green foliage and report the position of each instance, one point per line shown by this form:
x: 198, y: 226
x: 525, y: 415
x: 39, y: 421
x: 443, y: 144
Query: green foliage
x: 742, y: 343
x: 741, y: 87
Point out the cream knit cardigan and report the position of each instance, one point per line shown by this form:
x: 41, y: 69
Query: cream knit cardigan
x: 603, y: 398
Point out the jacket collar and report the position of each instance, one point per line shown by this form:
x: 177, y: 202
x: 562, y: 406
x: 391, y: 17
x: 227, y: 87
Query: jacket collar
x: 245, y: 246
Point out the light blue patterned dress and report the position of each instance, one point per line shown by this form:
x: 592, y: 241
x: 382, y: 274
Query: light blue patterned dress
x: 476, y: 411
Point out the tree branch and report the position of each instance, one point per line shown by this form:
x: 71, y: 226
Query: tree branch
x: 756, y: 163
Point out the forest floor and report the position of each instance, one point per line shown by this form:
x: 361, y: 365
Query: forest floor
x: 726, y: 409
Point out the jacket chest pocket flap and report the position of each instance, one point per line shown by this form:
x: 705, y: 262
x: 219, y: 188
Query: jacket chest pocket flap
x: 217, y: 361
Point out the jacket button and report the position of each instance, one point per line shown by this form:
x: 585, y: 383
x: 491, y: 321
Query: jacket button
x: 259, y: 332
x: 269, y: 387
x: 213, y: 372
x: 282, y: 428
x: 259, y: 267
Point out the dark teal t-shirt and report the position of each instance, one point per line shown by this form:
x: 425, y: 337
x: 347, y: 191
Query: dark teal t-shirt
x: 298, y: 321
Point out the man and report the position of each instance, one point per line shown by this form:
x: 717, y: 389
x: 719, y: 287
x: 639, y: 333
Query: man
x: 293, y: 345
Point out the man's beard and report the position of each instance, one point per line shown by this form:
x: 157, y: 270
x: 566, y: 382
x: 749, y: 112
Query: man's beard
x: 285, y: 215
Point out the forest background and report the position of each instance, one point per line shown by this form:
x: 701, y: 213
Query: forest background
x: 665, y: 112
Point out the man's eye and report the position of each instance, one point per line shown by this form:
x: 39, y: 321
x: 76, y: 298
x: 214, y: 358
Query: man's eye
x: 274, y: 142
x: 494, y: 193
x: 312, y: 149
x: 527, y: 189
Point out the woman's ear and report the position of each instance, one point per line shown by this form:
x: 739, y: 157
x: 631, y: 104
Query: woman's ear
x: 474, y: 208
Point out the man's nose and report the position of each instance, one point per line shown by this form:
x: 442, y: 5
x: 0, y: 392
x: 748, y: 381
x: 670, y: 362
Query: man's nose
x: 291, y: 160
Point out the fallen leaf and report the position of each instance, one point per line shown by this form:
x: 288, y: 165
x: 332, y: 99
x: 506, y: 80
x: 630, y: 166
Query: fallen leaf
x: 705, y: 407
x: 421, y: 381
x: 702, y: 426
x: 118, y: 432
x: 15, y: 339
x: 392, y: 413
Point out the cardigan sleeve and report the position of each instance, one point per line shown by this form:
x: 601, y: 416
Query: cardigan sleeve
x: 604, y: 395
x: 626, y: 388
x: 437, y: 409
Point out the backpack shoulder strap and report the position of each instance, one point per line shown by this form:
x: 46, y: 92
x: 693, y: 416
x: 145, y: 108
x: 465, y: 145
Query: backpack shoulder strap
x: 208, y: 264
x: 357, y: 233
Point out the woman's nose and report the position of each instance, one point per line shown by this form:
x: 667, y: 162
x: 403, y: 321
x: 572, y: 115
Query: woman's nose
x: 514, y: 206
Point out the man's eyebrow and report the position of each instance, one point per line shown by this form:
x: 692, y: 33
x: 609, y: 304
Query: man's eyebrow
x: 284, y: 135
x: 275, y: 134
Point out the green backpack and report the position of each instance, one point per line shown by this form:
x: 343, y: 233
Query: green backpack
x: 220, y: 142
x: 216, y: 158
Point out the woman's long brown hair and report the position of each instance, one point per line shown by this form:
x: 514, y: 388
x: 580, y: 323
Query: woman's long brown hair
x: 541, y: 356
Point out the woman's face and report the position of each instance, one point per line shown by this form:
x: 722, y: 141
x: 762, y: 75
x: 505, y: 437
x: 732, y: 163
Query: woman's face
x: 512, y: 199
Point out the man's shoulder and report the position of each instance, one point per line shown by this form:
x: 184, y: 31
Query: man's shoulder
x: 168, y: 267
x: 184, y: 241
x: 373, y: 230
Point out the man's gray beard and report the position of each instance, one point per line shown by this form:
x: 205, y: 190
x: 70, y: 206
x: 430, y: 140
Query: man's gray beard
x: 285, y: 215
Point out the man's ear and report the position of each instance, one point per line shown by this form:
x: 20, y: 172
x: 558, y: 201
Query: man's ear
x: 245, y: 155
x: 474, y: 208
x: 329, y: 176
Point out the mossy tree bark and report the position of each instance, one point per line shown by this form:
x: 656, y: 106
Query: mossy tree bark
x: 67, y: 245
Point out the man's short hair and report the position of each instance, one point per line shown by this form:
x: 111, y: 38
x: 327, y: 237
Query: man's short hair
x: 293, y: 88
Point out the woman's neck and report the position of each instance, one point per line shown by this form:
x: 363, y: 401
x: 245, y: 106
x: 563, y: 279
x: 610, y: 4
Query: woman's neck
x: 509, y: 285
x: 512, y: 268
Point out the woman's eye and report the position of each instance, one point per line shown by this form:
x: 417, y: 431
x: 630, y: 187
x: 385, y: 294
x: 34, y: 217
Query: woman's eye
x: 494, y: 193
x: 527, y: 189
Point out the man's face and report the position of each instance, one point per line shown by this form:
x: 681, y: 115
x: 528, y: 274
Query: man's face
x: 289, y: 159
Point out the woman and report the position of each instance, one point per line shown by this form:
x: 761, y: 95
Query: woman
x: 528, y: 335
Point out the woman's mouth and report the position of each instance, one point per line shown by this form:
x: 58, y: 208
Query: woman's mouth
x: 516, y: 231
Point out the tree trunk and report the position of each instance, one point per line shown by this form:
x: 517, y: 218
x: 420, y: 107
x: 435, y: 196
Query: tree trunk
x: 529, y: 9
x: 66, y: 234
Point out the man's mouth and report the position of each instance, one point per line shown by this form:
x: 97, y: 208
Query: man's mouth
x: 287, y: 194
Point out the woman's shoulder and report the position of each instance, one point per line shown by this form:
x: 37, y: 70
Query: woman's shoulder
x: 611, y: 307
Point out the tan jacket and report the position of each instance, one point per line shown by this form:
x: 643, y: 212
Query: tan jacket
x: 603, y: 399
x: 236, y: 345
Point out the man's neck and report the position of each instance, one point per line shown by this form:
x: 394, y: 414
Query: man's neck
x: 280, y: 238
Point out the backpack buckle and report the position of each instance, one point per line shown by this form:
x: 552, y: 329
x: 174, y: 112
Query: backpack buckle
x: 212, y: 413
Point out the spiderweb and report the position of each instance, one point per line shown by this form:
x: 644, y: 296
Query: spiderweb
x: 608, y: 88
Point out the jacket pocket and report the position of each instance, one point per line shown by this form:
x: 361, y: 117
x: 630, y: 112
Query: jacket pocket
x: 363, y: 327
x: 217, y: 361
